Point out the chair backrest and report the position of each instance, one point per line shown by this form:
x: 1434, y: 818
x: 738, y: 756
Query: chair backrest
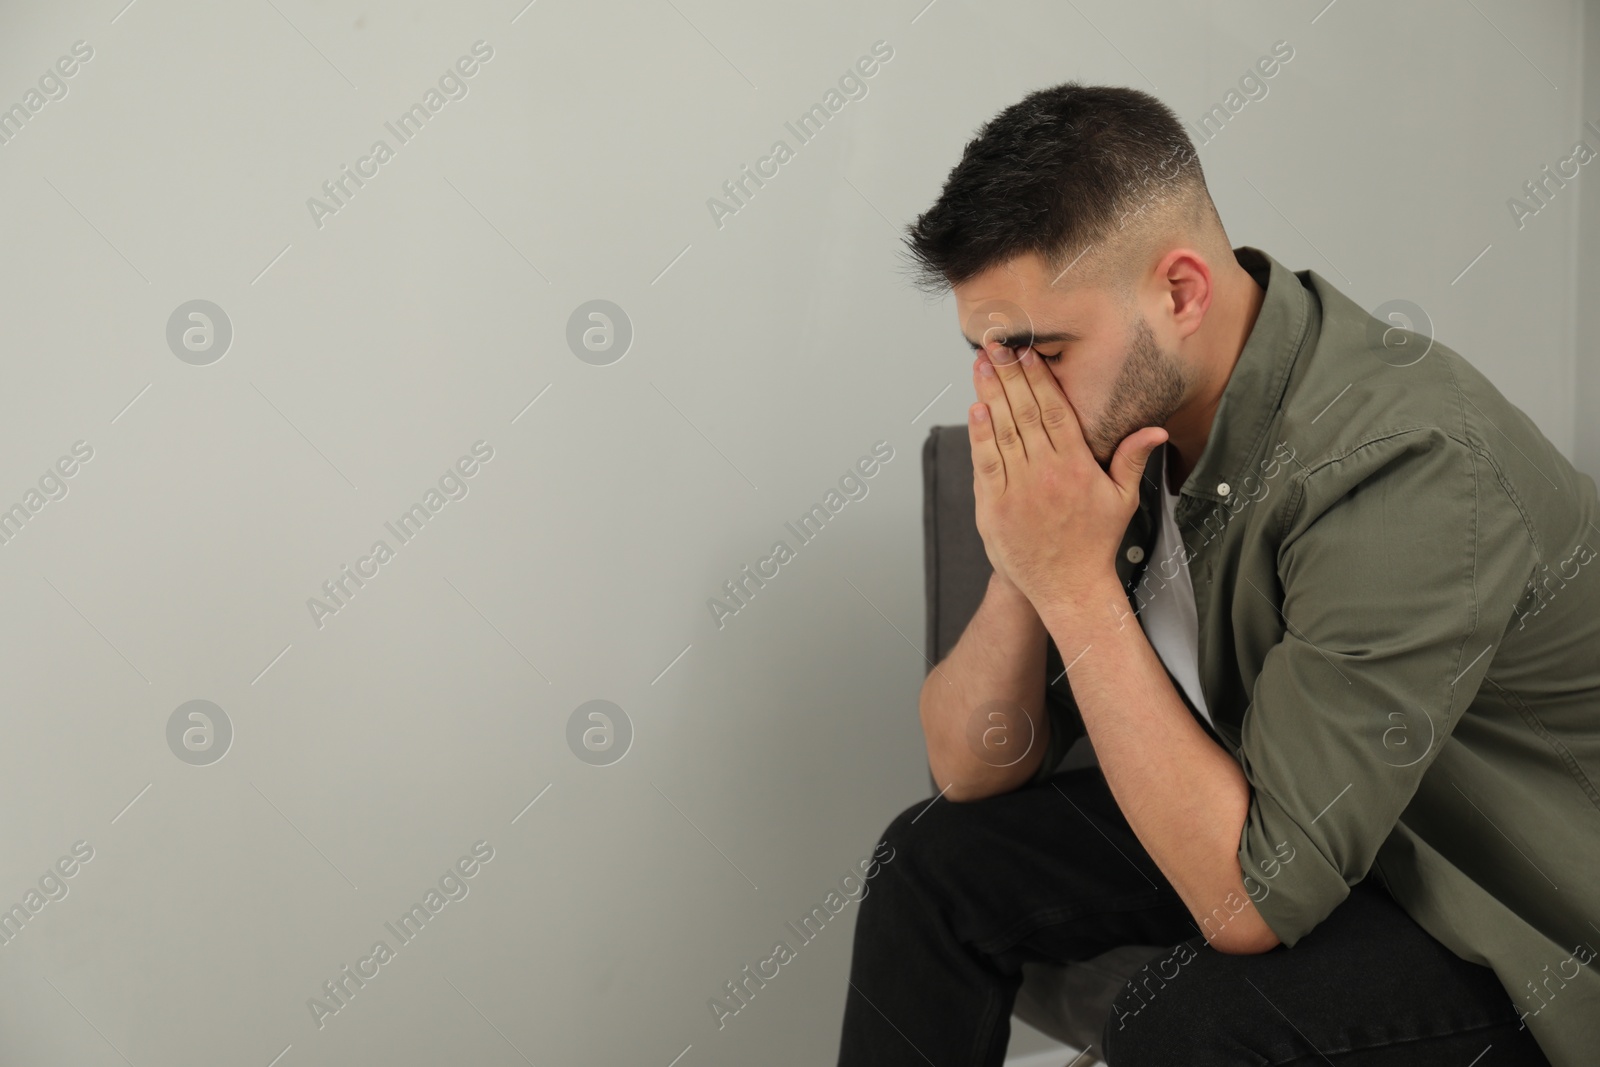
x: 956, y: 568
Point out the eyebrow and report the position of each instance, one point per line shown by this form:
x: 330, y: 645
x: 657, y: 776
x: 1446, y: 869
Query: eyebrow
x: 1038, y: 339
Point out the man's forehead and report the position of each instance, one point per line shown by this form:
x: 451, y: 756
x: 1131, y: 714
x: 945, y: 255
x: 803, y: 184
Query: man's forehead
x: 1004, y: 322
x: 1040, y: 303
x: 1015, y: 302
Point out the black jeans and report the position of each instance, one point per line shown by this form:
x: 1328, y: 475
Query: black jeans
x: 1052, y: 872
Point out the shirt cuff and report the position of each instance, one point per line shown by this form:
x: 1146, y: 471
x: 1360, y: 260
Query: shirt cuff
x: 1292, y: 884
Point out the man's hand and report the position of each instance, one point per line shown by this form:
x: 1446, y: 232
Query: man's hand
x: 1051, y: 519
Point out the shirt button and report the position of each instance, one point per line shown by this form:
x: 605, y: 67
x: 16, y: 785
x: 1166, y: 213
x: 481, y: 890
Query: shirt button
x: 1135, y: 554
x: 1223, y: 489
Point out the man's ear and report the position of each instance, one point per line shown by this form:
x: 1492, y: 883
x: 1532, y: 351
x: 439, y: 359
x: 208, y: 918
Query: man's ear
x: 1190, y: 288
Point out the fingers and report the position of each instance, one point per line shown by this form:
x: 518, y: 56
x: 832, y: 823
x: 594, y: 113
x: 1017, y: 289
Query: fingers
x: 1056, y: 417
x: 1007, y: 442
x: 1132, y: 455
x: 988, y: 468
x: 1011, y: 382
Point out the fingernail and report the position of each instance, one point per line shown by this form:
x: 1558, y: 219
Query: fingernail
x: 1028, y: 357
x: 986, y: 369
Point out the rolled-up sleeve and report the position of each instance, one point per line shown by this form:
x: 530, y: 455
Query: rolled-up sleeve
x: 1399, y: 571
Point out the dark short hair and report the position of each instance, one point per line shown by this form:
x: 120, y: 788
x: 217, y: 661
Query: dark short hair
x: 1057, y: 173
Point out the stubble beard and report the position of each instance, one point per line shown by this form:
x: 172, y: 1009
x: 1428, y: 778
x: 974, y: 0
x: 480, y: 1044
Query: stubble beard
x: 1148, y: 389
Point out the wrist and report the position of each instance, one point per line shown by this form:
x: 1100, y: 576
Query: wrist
x: 1008, y: 591
x: 1075, y: 616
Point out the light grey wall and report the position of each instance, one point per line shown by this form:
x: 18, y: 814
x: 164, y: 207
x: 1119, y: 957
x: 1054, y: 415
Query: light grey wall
x: 769, y: 354
x: 1586, y: 395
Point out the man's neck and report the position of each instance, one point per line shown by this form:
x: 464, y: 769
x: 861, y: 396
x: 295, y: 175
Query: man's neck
x: 1232, y: 316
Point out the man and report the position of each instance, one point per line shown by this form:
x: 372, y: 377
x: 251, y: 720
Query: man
x: 1319, y: 597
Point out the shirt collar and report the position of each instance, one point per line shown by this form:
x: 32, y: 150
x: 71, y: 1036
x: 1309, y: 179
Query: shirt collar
x: 1255, y: 389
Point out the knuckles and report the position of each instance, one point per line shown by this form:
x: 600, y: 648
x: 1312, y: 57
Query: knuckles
x: 1055, y: 418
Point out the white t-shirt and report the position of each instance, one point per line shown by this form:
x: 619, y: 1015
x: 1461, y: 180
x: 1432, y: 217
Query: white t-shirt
x: 1169, y: 618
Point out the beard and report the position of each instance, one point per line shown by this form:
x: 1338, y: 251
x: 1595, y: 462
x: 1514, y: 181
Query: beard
x: 1148, y: 389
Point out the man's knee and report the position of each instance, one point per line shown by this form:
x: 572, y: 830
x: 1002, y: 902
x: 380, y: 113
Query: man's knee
x: 1167, y: 1012
x: 936, y: 832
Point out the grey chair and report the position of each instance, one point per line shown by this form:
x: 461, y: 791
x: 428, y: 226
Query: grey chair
x: 1070, y: 1003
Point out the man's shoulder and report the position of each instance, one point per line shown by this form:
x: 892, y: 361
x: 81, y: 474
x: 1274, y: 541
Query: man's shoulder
x: 1377, y: 396
x: 1371, y: 383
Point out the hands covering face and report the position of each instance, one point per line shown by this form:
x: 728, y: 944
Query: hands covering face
x: 1051, y: 519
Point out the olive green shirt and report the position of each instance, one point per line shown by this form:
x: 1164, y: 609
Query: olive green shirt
x: 1399, y: 641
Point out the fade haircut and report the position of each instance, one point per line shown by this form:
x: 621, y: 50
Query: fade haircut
x: 1096, y: 180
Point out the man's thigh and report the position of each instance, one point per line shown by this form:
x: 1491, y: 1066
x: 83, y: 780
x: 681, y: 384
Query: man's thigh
x: 1050, y: 872
x: 1367, y: 986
